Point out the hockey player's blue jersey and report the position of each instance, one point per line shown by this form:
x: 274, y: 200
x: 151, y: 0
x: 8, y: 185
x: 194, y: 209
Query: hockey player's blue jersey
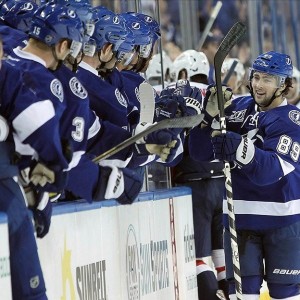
x: 85, y: 132
x: 32, y: 115
x: 105, y: 99
x: 266, y: 192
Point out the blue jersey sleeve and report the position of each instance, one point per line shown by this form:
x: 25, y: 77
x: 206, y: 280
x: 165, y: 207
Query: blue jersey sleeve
x: 34, y: 121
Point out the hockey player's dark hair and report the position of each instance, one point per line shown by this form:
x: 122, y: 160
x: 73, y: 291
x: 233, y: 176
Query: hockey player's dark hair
x: 289, y: 85
x: 201, y: 78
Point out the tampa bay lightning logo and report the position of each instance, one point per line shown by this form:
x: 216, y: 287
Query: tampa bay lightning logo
x: 27, y: 6
x: 148, y: 19
x: 48, y: 38
x: 288, y: 61
x: 136, y: 25
x: 57, y: 89
x: 120, y: 98
x: 77, y: 88
x: 137, y: 94
x: 116, y: 20
x: 294, y: 115
x: 71, y: 13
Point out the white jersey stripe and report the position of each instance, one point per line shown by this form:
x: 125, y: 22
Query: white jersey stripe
x: 32, y: 118
x: 242, y: 207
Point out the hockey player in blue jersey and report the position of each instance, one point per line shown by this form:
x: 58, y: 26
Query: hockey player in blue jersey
x: 262, y: 144
x: 110, y: 31
x: 142, y: 38
x: 103, y: 50
x: 28, y: 126
x: 81, y: 127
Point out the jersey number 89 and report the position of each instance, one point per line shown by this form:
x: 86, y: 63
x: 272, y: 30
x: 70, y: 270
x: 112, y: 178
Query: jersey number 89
x: 286, y: 146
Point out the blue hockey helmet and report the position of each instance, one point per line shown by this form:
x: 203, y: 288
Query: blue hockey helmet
x: 109, y: 28
x: 84, y: 10
x: 2, y: 2
x: 140, y: 34
x: 274, y: 63
x: 52, y: 22
x: 18, y: 14
x: 153, y: 25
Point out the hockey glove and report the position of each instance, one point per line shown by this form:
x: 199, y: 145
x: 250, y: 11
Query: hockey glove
x: 232, y: 147
x: 42, y: 214
x: 123, y: 184
x: 210, y: 102
x: 133, y: 114
x: 158, y: 137
x: 44, y: 178
x: 191, y: 95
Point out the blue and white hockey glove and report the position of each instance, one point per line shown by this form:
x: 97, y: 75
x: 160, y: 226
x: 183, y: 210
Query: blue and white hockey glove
x: 232, y: 147
x: 121, y: 184
x: 191, y: 95
x: 42, y: 214
x: 210, y: 102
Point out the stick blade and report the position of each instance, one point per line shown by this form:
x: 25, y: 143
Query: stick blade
x: 232, y: 38
x: 147, y: 102
x: 182, y: 122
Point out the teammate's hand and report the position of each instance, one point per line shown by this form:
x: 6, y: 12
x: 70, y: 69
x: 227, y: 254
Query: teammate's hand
x: 232, y: 147
x: 158, y: 137
x: 165, y: 152
x: 41, y: 175
x: 191, y: 95
x: 210, y: 102
x: 42, y: 214
x: 44, y: 178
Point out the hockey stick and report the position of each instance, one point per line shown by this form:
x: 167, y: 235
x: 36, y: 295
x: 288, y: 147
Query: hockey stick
x: 232, y: 37
x: 230, y: 72
x: 183, y: 122
x: 147, y: 102
x: 210, y: 23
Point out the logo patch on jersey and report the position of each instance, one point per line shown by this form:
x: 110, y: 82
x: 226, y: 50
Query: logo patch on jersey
x: 27, y: 6
x: 71, y: 13
x: 57, y: 89
x: 137, y: 94
x: 120, y: 98
x: 294, y: 115
x: 34, y: 282
x: 77, y: 88
x: 237, y: 116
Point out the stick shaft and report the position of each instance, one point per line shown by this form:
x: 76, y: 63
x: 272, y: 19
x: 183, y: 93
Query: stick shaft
x: 183, y: 122
x: 232, y: 37
x: 210, y: 24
